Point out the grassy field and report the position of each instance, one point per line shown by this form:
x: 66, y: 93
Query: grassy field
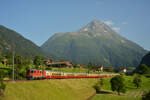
x: 113, y: 97
x: 69, y: 89
x: 132, y: 92
x: 78, y: 70
x: 81, y: 70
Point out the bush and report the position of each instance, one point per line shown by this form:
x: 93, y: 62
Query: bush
x: 48, y: 68
x: 147, y: 75
x: 2, y: 86
x: 137, y: 81
x: 97, y: 87
x: 117, y: 84
x: 146, y: 96
x: 101, y: 82
x: 143, y: 69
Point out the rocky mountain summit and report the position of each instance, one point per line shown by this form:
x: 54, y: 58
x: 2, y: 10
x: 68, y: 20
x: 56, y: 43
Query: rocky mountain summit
x: 96, y: 43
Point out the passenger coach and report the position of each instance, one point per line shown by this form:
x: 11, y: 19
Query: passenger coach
x: 47, y: 74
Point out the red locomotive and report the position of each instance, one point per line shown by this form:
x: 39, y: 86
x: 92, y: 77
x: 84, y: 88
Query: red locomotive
x: 47, y: 74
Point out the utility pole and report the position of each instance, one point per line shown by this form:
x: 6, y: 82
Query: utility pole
x: 13, y: 53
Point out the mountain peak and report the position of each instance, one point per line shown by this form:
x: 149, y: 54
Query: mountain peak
x: 94, y: 24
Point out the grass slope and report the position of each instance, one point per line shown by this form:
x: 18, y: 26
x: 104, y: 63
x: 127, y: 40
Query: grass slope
x: 69, y: 89
x: 132, y: 92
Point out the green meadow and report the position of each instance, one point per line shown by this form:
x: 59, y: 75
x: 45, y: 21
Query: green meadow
x: 132, y: 92
x: 71, y: 89
x: 63, y: 89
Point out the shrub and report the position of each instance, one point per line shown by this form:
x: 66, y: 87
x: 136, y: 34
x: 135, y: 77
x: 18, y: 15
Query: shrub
x: 143, y: 69
x: 117, y: 84
x: 137, y: 81
x: 2, y: 86
x: 147, y: 75
x: 97, y: 87
x: 146, y: 96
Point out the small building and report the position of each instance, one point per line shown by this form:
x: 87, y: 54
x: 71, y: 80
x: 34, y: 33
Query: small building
x: 47, y: 61
x: 98, y: 68
x: 123, y: 70
x: 67, y: 64
x: 79, y: 65
x: 108, y: 69
x: 4, y: 61
x: 101, y: 67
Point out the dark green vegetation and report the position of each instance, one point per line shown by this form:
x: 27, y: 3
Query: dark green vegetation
x: 132, y: 92
x: 137, y: 81
x: 143, y: 69
x: 10, y: 40
x: 2, y: 85
x: 146, y: 60
x: 117, y: 84
x: 98, y: 86
x: 96, y: 43
x: 146, y: 96
x: 38, y: 60
x: 21, y: 64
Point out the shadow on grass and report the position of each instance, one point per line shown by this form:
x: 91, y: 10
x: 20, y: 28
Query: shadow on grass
x: 104, y: 92
x: 131, y: 87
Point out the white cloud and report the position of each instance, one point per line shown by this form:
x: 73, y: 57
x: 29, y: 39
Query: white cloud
x: 108, y: 22
x: 117, y: 29
x: 111, y: 24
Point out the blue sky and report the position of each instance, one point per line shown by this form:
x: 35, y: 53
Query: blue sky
x: 37, y: 20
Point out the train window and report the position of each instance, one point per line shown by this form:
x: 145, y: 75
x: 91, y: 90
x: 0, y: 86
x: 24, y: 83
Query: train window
x: 32, y: 71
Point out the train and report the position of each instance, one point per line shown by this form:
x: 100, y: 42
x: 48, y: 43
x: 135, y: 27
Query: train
x: 33, y: 74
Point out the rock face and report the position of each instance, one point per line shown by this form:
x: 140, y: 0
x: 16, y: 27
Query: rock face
x: 146, y: 60
x: 10, y: 39
x: 96, y: 43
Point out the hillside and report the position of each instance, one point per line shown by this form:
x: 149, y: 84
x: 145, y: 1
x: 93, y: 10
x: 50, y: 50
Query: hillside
x: 96, y: 43
x: 146, y: 59
x: 70, y: 89
x: 22, y: 46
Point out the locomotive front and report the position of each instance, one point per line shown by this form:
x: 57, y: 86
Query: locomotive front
x: 35, y: 74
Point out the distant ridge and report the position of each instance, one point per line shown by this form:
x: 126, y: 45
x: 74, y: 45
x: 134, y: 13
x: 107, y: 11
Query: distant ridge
x: 146, y: 60
x: 96, y: 43
x: 22, y: 46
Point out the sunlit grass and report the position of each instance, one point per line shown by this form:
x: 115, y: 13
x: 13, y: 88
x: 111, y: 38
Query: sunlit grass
x: 113, y: 97
x: 68, y: 89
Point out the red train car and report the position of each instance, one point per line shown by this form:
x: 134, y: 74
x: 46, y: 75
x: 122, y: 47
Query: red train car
x: 35, y: 74
x: 47, y: 74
